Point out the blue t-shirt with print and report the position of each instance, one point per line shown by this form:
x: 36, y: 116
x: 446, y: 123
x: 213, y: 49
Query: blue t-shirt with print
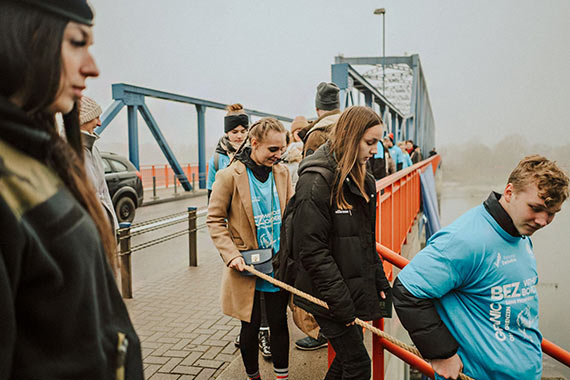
x: 265, y: 216
x: 483, y: 281
x: 223, y: 161
x: 397, y: 154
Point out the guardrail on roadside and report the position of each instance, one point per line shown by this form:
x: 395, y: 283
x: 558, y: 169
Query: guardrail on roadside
x: 128, y: 231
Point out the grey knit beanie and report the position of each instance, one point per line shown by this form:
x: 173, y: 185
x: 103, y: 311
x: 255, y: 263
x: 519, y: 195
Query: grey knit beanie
x: 327, y: 96
x: 88, y: 110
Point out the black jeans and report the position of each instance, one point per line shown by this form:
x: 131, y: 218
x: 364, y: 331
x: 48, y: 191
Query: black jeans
x: 351, y: 361
x: 276, y: 309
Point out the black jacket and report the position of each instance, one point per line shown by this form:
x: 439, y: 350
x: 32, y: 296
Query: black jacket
x: 61, y: 314
x: 420, y: 317
x: 336, y: 248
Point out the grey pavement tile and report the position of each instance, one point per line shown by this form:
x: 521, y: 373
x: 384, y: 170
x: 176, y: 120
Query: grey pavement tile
x: 191, y: 358
x: 156, y: 360
x: 211, y: 353
x: 150, y: 370
x: 169, y: 366
x: 207, y: 373
x: 209, y: 363
x: 164, y: 376
x: 187, y: 370
x: 177, y: 353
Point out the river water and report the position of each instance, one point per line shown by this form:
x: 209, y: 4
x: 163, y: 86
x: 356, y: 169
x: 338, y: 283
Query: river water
x: 552, y: 251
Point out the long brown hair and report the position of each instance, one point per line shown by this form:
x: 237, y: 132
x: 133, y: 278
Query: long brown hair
x: 30, y: 57
x: 348, y: 132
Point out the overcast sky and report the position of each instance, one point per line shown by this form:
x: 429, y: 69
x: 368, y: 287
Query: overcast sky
x: 492, y: 67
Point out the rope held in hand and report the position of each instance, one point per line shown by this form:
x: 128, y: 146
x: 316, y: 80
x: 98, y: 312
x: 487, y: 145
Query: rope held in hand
x: 359, y: 322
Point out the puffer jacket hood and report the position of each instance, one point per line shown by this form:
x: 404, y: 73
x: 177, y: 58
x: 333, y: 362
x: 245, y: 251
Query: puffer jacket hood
x: 321, y: 157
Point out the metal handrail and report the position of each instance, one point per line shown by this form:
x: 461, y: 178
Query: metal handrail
x: 548, y: 347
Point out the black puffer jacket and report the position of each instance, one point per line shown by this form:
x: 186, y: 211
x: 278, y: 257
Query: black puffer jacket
x: 336, y: 248
x: 61, y: 314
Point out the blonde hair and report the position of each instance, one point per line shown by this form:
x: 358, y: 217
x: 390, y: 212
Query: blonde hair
x: 551, y: 181
x: 260, y: 128
x: 235, y: 109
x: 348, y: 132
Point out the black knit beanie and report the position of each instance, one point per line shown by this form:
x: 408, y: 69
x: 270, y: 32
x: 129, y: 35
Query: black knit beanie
x: 73, y: 10
x: 232, y: 121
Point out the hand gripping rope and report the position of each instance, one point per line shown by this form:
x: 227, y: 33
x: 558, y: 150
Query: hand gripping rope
x: 359, y: 322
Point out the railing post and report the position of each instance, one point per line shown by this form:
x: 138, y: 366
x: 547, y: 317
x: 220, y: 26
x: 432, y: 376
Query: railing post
x: 377, y: 352
x: 175, y: 185
x: 125, y: 259
x: 154, y: 183
x: 193, y: 182
x: 192, y: 238
x: 166, y: 175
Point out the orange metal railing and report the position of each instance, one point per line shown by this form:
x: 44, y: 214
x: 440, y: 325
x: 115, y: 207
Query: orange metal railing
x: 164, y: 175
x: 398, y: 205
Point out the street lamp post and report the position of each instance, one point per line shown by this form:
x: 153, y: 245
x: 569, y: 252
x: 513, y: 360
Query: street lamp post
x: 382, y: 11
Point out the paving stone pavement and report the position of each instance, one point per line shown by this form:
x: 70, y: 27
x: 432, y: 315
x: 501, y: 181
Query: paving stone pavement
x: 177, y: 316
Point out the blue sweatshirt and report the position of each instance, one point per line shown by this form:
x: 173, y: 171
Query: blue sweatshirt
x: 223, y: 161
x: 483, y: 281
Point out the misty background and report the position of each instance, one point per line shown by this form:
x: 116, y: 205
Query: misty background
x: 494, y: 69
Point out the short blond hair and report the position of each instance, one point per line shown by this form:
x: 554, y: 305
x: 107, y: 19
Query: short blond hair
x: 551, y: 181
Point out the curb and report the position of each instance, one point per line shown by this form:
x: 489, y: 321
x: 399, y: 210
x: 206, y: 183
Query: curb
x: 172, y: 198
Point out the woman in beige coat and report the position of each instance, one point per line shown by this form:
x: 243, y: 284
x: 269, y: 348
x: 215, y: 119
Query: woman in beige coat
x: 247, y: 201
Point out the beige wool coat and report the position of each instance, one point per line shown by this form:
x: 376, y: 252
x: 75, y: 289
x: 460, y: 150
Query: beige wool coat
x: 232, y: 229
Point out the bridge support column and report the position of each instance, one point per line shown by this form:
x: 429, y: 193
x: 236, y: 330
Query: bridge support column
x: 133, y: 135
x: 201, y: 111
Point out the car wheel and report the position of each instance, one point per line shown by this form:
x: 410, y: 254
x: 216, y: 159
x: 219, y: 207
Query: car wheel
x: 125, y: 209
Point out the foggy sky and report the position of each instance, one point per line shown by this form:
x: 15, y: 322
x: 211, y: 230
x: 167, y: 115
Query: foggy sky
x: 493, y: 68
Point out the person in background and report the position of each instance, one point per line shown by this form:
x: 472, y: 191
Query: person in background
x: 294, y: 153
x: 410, y: 146
x: 89, y: 112
x: 395, y: 152
x: 236, y: 123
x: 469, y: 298
x: 379, y: 164
x: 247, y: 202
x: 61, y: 314
x: 407, y: 160
x: 327, y: 105
x: 416, y: 155
x: 334, y: 239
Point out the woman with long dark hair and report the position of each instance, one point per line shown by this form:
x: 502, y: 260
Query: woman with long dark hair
x: 334, y: 239
x: 247, y: 202
x: 61, y: 314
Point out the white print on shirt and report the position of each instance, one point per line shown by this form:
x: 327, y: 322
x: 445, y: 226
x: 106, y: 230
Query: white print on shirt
x: 505, y: 260
x: 525, y: 319
x: 515, y: 292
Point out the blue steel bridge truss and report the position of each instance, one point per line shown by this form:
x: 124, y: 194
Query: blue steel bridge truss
x: 415, y: 122
x: 414, y: 119
x: 133, y: 97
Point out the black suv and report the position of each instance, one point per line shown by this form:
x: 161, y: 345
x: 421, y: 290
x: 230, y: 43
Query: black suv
x: 125, y: 185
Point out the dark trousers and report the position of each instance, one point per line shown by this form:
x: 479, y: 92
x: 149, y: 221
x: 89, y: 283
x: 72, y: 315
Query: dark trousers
x: 276, y: 310
x: 351, y: 361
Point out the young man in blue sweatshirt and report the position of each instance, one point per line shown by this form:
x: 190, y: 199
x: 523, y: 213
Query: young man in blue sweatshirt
x: 469, y: 299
